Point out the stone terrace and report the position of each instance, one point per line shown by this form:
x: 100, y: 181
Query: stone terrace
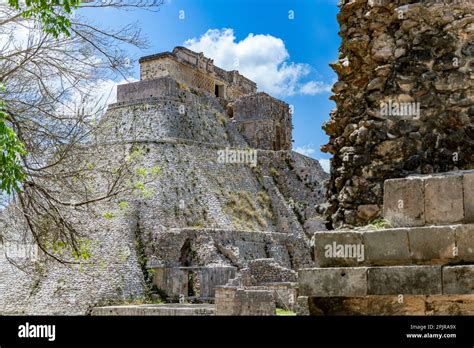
x: 423, y: 268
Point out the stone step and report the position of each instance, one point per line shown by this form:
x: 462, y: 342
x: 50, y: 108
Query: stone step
x: 388, y: 305
x: 420, y: 200
x: 386, y: 280
x: 427, y: 245
x: 168, y: 309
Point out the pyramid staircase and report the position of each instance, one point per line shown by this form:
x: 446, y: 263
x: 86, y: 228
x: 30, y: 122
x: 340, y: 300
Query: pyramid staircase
x: 423, y: 267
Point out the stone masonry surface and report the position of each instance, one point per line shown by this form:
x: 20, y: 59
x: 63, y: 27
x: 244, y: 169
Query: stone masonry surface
x: 404, y: 100
x: 196, y: 212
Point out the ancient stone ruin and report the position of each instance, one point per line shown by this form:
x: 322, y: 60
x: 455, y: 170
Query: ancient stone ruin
x: 230, y: 224
x: 404, y: 99
x: 402, y: 130
x: 229, y: 191
x: 424, y: 268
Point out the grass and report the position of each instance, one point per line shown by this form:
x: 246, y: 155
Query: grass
x: 379, y: 224
x: 245, y: 213
x: 284, y: 312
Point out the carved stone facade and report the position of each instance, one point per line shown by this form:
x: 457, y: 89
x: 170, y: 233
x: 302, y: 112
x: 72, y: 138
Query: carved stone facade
x: 197, y: 71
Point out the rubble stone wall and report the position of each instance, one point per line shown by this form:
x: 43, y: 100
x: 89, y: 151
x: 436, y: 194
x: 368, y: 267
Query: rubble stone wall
x: 404, y: 99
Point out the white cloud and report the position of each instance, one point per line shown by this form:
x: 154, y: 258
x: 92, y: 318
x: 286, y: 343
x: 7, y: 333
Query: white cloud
x: 14, y: 37
x: 306, y: 150
x: 325, y: 164
x: 262, y: 58
x: 315, y: 87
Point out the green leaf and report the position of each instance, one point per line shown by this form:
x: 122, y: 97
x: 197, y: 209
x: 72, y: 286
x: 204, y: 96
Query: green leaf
x: 11, y: 150
x: 51, y: 14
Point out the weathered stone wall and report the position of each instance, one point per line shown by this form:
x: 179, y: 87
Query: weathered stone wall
x: 271, y: 275
x: 169, y: 309
x: 285, y: 294
x: 175, y: 281
x: 217, y: 247
x: 43, y: 286
x: 404, y: 99
x: 264, y: 121
x: 193, y: 196
x: 244, y: 301
x: 195, y: 211
x: 259, y: 271
x: 430, y: 199
x: 161, y: 109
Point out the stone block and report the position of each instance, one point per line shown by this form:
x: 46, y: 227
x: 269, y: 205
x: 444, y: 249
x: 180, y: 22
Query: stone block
x: 169, y: 309
x: 302, y: 308
x: 403, y: 201
x: 444, y: 199
x: 385, y: 247
x: 465, y: 242
x: 323, y: 282
x: 458, y: 280
x: 468, y: 188
x: 396, y: 305
x: 432, y: 243
x: 328, y: 306
x: 404, y: 280
x: 327, y: 245
x: 367, y: 305
x: 450, y: 305
x: 393, y: 305
x: 252, y: 300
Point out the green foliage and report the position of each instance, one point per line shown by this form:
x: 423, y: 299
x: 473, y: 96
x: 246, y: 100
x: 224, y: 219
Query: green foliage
x: 274, y: 173
x: 284, y: 312
x: 123, y: 205
x: 379, y: 224
x: 51, y: 13
x: 11, y: 148
x: 142, y: 172
x: 151, y: 273
x: 108, y: 215
x: 135, y: 156
x: 155, y: 170
x: 147, y: 193
x: 140, y: 186
x: 35, y: 286
x: 83, y: 252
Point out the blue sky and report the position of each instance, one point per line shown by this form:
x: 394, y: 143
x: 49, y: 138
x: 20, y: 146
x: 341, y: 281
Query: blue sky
x: 284, y: 45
